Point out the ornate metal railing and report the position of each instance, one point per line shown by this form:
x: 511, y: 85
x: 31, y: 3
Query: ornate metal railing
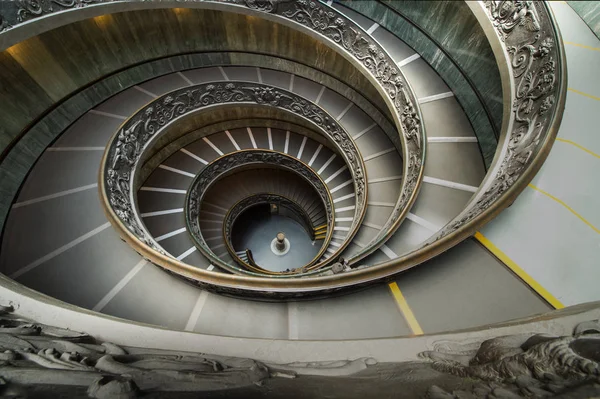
x: 247, y: 159
x: 537, y: 77
x: 369, y: 56
x: 530, y: 57
x: 126, y: 149
x: 298, y: 213
x: 335, y: 29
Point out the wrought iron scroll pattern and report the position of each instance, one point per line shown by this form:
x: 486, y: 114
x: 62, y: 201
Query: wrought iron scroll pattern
x: 213, y: 171
x: 534, y: 59
x: 331, y: 24
x: 127, y: 146
x: 20, y: 11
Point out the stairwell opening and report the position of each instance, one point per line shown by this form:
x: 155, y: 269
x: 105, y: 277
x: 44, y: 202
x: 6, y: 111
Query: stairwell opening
x: 256, y: 229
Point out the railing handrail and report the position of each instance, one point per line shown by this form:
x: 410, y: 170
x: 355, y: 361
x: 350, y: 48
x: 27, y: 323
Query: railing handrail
x: 531, y: 122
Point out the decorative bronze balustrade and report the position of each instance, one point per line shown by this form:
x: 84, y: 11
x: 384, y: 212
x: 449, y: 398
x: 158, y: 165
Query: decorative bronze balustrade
x: 243, y: 159
x: 123, y: 154
x: 530, y: 56
x: 339, y: 32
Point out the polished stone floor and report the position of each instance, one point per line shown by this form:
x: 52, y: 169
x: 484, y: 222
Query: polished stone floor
x: 256, y: 230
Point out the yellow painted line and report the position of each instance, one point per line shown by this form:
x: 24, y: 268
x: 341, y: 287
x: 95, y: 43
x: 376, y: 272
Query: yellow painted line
x: 583, y: 46
x: 541, y: 291
x: 405, y: 309
x: 578, y: 146
x: 584, y: 94
x: 566, y: 206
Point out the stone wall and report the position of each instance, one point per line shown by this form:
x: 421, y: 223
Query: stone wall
x: 589, y: 11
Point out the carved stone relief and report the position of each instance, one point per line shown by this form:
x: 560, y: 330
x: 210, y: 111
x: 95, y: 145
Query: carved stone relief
x: 19, y: 11
x: 39, y: 359
x: 517, y: 366
x: 37, y: 355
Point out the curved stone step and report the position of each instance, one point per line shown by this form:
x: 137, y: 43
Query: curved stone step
x: 173, y: 177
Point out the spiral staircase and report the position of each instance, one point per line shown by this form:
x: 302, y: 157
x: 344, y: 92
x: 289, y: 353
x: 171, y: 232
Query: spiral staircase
x: 150, y: 189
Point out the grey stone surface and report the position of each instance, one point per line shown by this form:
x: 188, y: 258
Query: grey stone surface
x: 64, y: 220
x: 443, y: 163
x: 230, y: 317
x: 497, y: 362
x: 154, y: 297
x: 103, y: 259
x: 58, y: 171
x: 442, y: 299
x: 445, y: 118
x: 439, y: 204
x: 370, y: 313
x: 152, y: 201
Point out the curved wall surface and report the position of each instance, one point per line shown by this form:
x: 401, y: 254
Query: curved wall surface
x: 45, y: 69
x: 455, y: 45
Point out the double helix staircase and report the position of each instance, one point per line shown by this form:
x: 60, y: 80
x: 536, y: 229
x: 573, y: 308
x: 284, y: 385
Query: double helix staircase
x: 79, y: 258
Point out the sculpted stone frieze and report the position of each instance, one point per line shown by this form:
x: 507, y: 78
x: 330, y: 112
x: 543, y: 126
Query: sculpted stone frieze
x: 525, y: 365
x: 507, y: 15
x: 37, y: 356
x: 39, y: 360
x: 4, y: 25
x: 19, y: 11
x: 34, y: 8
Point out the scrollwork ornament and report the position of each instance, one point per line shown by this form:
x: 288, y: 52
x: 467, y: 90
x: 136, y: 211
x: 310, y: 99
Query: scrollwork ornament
x: 509, y: 14
x: 533, y: 61
x: 223, y: 165
x: 29, y: 9
x: 126, y: 148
